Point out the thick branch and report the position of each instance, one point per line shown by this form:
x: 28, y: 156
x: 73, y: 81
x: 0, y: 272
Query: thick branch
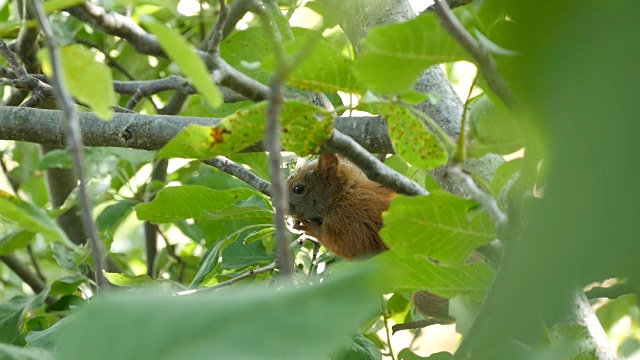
x: 151, y: 132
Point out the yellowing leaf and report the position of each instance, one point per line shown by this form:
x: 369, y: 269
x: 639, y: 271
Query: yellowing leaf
x: 87, y: 79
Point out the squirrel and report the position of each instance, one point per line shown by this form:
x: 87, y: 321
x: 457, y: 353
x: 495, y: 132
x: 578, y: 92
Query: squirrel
x: 333, y: 201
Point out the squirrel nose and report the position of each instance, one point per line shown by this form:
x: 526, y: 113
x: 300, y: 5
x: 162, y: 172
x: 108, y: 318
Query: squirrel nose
x: 291, y: 207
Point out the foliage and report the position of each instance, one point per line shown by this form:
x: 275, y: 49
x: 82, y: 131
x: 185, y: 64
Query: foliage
x: 567, y: 195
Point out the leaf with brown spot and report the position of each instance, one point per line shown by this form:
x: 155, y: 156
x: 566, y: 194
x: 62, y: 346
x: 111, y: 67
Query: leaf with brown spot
x: 411, y: 139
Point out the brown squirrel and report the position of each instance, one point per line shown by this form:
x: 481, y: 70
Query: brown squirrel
x: 333, y: 201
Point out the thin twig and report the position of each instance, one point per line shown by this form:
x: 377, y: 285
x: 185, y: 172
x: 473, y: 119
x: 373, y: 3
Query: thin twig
x: 24, y: 81
x: 272, y: 145
x: 240, y: 172
x: 74, y: 141
x: 481, y: 54
x: 461, y: 151
x: 36, y: 265
x: 452, y: 4
x: 314, y: 257
x: 385, y: 318
x: 171, y: 251
x: 419, y: 324
x: 292, y: 8
x: 487, y: 201
x: 232, y: 281
x: 15, y: 186
x: 214, y: 45
x: 371, y: 166
x: 110, y: 61
x: 12, y: 60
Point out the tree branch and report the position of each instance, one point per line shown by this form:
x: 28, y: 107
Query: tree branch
x: 240, y: 172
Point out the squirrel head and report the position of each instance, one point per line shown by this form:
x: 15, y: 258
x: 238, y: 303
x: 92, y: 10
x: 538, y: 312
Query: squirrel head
x: 313, y: 186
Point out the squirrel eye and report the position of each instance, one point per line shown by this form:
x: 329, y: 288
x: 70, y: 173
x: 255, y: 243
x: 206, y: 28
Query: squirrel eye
x: 298, y: 189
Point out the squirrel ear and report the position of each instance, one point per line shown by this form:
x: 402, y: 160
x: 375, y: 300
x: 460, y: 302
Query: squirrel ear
x: 328, y: 161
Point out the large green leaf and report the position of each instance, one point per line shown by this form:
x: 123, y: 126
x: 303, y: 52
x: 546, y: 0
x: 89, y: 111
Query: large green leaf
x: 8, y: 352
x: 440, y: 226
x: 188, y: 202
x: 417, y: 272
x: 151, y: 326
x: 183, y: 54
x: 48, y: 339
x: 30, y: 217
x: 394, y: 55
x: 302, y: 132
x: 493, y: 129
x: 93, y: 87
x: 411, y: 139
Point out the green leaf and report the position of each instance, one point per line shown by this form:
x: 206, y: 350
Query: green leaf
x: 188, y: 202
x: 55, y: 5
x: 211, y: 261
x: 302, y: 132
x: 241, y: 254
x: 441, y: 226
x: 14, y: 240
x: 407, y: 354
x: 128, y: 326
x: 183, y: 54
x: 503, y: 174
x: 260, y: 234
x: 258, y: 162
x: 12, y: 313
x: 30, y: 217
x: 246, y: 50
x: 409, y: 273
x: 233, y: 212
x: 134, y: 281
x: 493, y: 129
x: 112, y: 216
x: 359, y: 348
x: 50, y: 338
x: 56, y: 159
x: 67, y: 285
x: 465, y: 311
x: 235, y: 132
x: 93, y: 87
x: 413, y: 97
x: 11, y: 28
x: 9, y: 352
x: 411, y: 139
x: 393, y: 56
x: 325, y: 70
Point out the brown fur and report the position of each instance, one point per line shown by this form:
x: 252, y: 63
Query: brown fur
x: 339, y: 206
